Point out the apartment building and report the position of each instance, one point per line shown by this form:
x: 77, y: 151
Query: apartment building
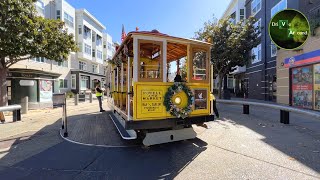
x: 236, y: 13
x: 298, y: 71
x: 88, y: 68
x: 108, y: 52
x: 260, y: 75
x: 39, y: 78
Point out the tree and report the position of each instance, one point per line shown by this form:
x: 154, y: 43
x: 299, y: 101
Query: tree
x: 24, y: 35
x: 231, y: 44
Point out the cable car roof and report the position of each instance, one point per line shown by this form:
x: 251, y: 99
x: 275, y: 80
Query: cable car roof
x: 175, y: 50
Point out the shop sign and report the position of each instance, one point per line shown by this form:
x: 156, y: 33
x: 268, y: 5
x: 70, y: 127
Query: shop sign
x: 302, y: 87
x: 303, y: 59
x: 152, y: 101
x: 26, y: 83
x: 15, y: 74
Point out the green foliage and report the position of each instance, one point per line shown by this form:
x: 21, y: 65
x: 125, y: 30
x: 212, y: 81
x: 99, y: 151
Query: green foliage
x: 24, y: 34
x: 231, y: 43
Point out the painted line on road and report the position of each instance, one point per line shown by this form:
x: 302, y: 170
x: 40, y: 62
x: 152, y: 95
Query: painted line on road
x: 94, y: 145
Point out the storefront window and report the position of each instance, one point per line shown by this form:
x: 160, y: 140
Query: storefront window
x: 302, y: 87
x: 199, y: 65
x: 317, y: 87
x: 84, y: 82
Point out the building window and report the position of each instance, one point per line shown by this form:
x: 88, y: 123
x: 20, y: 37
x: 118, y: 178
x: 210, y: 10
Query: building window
x: 80, y: 29
x: 93, y: 53
x: 233, y: 18
x: 95, y: 68
x: 99, y: 40
x: 87, y: 32
x: 80, y: 47
x: 257, y: 53
x: 39, y: 59
x: 63, y: 64
x: 109, y: 46
x: 73, y: 81
x: 255, y: 7
x: 84, y: 82
x: 82, y: 66
x: 231, y: 82
x: 273, y: 50
x: 278, y: 7
x: 68, y: 19
x: 63, y: 83
x: 58, y: 14
x: 258, y: 25
x: 99, y: 54
x: 241, y: 14
x: 93, y: 36
x: 104, y: 44
x: 40, y: 7
x: 87, y: 49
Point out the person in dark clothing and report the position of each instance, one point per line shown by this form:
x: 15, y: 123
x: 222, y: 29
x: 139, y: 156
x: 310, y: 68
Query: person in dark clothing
x: 99, y: 96
x: 178, y: 78
x: 215, y: 106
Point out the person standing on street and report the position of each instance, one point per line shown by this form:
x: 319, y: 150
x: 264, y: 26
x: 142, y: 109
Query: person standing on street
x: 99, y: 96
x: 215, y: 105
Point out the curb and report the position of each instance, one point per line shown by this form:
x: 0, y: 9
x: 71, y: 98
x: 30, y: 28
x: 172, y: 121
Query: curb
x: 93, y: 145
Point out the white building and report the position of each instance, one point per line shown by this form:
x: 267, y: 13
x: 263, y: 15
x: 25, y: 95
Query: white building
x: 108, y: 46
x: 236, y: 11
x: 39, y: 78
x: 88, y: 68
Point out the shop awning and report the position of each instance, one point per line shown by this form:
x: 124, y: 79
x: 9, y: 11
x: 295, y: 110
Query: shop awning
x: 31, y: 73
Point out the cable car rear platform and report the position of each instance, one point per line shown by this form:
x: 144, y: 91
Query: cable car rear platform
x: 158, y: 131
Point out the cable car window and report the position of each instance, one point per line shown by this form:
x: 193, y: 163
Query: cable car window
x: 199, y: 65
x: 150, y: 60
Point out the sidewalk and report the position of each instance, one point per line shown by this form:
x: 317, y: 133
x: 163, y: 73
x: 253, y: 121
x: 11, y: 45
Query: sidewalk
x: 269, y: 102
x: 35, y: 120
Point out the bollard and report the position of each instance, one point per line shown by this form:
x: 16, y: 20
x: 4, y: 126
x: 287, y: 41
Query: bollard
x: 245, y: 109
x: 65, y: 119
x: 16, y: 115
x: 24, y: 105
x: 90, y: 97
x: 62, y: 118
x: 76, y: 99
x: 284, y: 117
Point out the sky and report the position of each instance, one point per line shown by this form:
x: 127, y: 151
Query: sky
x: 173, y: 17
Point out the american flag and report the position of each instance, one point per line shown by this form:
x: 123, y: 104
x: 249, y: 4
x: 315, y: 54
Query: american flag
x: 123, y: 34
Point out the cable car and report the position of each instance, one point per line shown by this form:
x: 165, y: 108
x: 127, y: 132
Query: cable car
x: 160, y: 85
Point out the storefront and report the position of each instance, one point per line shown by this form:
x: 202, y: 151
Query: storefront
x: 37, y: 85
x: 85, y: 81
x: 304, y: 79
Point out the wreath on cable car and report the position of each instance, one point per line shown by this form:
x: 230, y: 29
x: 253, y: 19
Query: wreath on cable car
x: 174, y: 103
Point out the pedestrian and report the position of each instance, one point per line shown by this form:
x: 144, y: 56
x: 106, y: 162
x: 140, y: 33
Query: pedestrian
x: 215, y: 105
x: 99, y: 96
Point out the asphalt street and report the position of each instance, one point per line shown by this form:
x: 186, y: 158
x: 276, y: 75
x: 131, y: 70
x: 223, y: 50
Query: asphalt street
x: 237, y: 146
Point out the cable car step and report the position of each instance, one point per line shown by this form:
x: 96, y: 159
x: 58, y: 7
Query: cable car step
x: 169, y: 136
x: 119, y: 123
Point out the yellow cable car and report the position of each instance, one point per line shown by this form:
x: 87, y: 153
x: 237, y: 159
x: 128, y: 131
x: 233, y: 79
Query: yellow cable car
x: 159, y: 86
